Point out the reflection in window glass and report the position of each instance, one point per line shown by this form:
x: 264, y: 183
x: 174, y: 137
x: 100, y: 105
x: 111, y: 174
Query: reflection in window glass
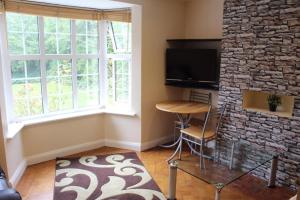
x: 59, y: 85
x: 23, y: 36
x: 87, y: 82
x: 26, y: 88
x: 57, y: 35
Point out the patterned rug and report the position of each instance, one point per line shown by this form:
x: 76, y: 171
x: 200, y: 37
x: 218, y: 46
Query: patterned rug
x: 106, y: 177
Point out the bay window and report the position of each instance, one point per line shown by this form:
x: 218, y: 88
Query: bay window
x: 60, y: 65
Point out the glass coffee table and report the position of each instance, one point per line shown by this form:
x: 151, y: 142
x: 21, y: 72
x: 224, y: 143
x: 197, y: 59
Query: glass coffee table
x: 225, y: 162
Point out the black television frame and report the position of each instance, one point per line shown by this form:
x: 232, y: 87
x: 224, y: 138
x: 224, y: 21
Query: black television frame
x: 195, y: 44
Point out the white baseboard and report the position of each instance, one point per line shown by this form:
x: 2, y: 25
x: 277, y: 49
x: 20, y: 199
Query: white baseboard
x: 17, y: 175
x: 135, y: 146
x: 64, y: 152
x: 80, y: 148
x: 156, y: 142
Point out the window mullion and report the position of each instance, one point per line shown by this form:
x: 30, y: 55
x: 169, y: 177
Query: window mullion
x: 43, y: 65
x: 74, y: 67
x: 103, y: 87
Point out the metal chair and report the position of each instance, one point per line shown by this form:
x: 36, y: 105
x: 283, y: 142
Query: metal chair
x: 200, y: 135
x: 199, y: 97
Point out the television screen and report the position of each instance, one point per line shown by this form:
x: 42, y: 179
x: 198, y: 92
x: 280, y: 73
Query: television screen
x: 196, y: 65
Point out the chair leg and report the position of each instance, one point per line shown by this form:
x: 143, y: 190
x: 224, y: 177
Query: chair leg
x: 180, y: 148
x: 202, y: 161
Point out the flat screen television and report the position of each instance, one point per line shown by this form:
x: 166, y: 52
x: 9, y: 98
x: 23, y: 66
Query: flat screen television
x: 192, y: 67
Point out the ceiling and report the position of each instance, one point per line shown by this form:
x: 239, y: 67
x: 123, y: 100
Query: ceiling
x: 98, y: 4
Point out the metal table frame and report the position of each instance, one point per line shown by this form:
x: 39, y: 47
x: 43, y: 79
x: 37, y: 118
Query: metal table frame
x: 219, y: 186
x: 184, y: 120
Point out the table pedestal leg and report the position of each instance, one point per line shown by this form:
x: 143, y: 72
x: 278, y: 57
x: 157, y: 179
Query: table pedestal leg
x: 272, y: 178
x: 219, y: 187
x: 218, y: 195
x: 172, y: 180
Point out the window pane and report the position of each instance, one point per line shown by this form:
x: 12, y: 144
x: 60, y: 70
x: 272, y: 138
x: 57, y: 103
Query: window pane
x: 110, y: 82
x: 31, y: 43
x: 64, y: 44
x: 87, y: 82
x: 50, y: 24
x: 59, y: 85
x: 122, y: 81
x: 87, y: 37
x: 92, y: 28
x: 26, y: 88
x: 36, y: 106
x: 15, y: 43
x: 92, y: 44
x: 81, y: 27
x: 64, y: 25
x: 119, y: 37
x: 18, y: 69
x: 14, y: 22
x: 57, y: 35
x: 23, y: 36
x: 81, y: 44
x: 30, y: 24
x: 50, y: 43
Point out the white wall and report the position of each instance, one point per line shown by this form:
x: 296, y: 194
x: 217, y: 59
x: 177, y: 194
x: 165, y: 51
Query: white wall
x: 15, y: 159
x: 204, y: 19
x: 50, y: 136
x: 161, y: 20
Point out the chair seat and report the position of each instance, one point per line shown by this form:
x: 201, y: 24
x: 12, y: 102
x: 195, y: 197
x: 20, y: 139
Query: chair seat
x: 196, y: 132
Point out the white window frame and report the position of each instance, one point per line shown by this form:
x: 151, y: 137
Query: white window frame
x: 122, y: 57
x: 102, y: 57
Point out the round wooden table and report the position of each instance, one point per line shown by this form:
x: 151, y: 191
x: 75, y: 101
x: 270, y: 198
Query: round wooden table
x: 183, y: 110
x: 182, y: 107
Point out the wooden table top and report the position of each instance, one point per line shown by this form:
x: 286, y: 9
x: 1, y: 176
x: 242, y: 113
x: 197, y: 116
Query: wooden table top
x: 182, y: 107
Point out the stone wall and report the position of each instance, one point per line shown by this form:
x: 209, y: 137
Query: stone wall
x: 260, y: 51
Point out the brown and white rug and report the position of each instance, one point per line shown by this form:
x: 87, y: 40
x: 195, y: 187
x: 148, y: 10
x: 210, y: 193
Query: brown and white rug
x: 106, y: 177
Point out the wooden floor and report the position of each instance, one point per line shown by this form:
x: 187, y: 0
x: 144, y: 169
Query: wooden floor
x: 38, y: 180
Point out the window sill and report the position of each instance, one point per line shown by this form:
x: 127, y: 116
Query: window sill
x: 16, y: 127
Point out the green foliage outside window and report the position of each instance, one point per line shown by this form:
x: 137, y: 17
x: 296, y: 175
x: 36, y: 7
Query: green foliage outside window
x: 24, y: 39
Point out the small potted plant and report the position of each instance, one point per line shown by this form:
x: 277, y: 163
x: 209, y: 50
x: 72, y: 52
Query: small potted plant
x: 273, y: 101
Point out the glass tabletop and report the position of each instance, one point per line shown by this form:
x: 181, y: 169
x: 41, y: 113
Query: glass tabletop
x: 226, y: 161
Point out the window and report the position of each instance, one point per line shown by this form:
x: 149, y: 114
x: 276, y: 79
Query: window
x: 58, y: 65
x: 119, y: 61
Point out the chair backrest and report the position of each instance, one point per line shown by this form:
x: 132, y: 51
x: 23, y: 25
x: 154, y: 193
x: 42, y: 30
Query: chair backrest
x: 213, y: 118
x: 196, y: 96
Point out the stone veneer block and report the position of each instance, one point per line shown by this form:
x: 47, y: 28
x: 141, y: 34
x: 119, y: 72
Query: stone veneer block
x: 261, y: 52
